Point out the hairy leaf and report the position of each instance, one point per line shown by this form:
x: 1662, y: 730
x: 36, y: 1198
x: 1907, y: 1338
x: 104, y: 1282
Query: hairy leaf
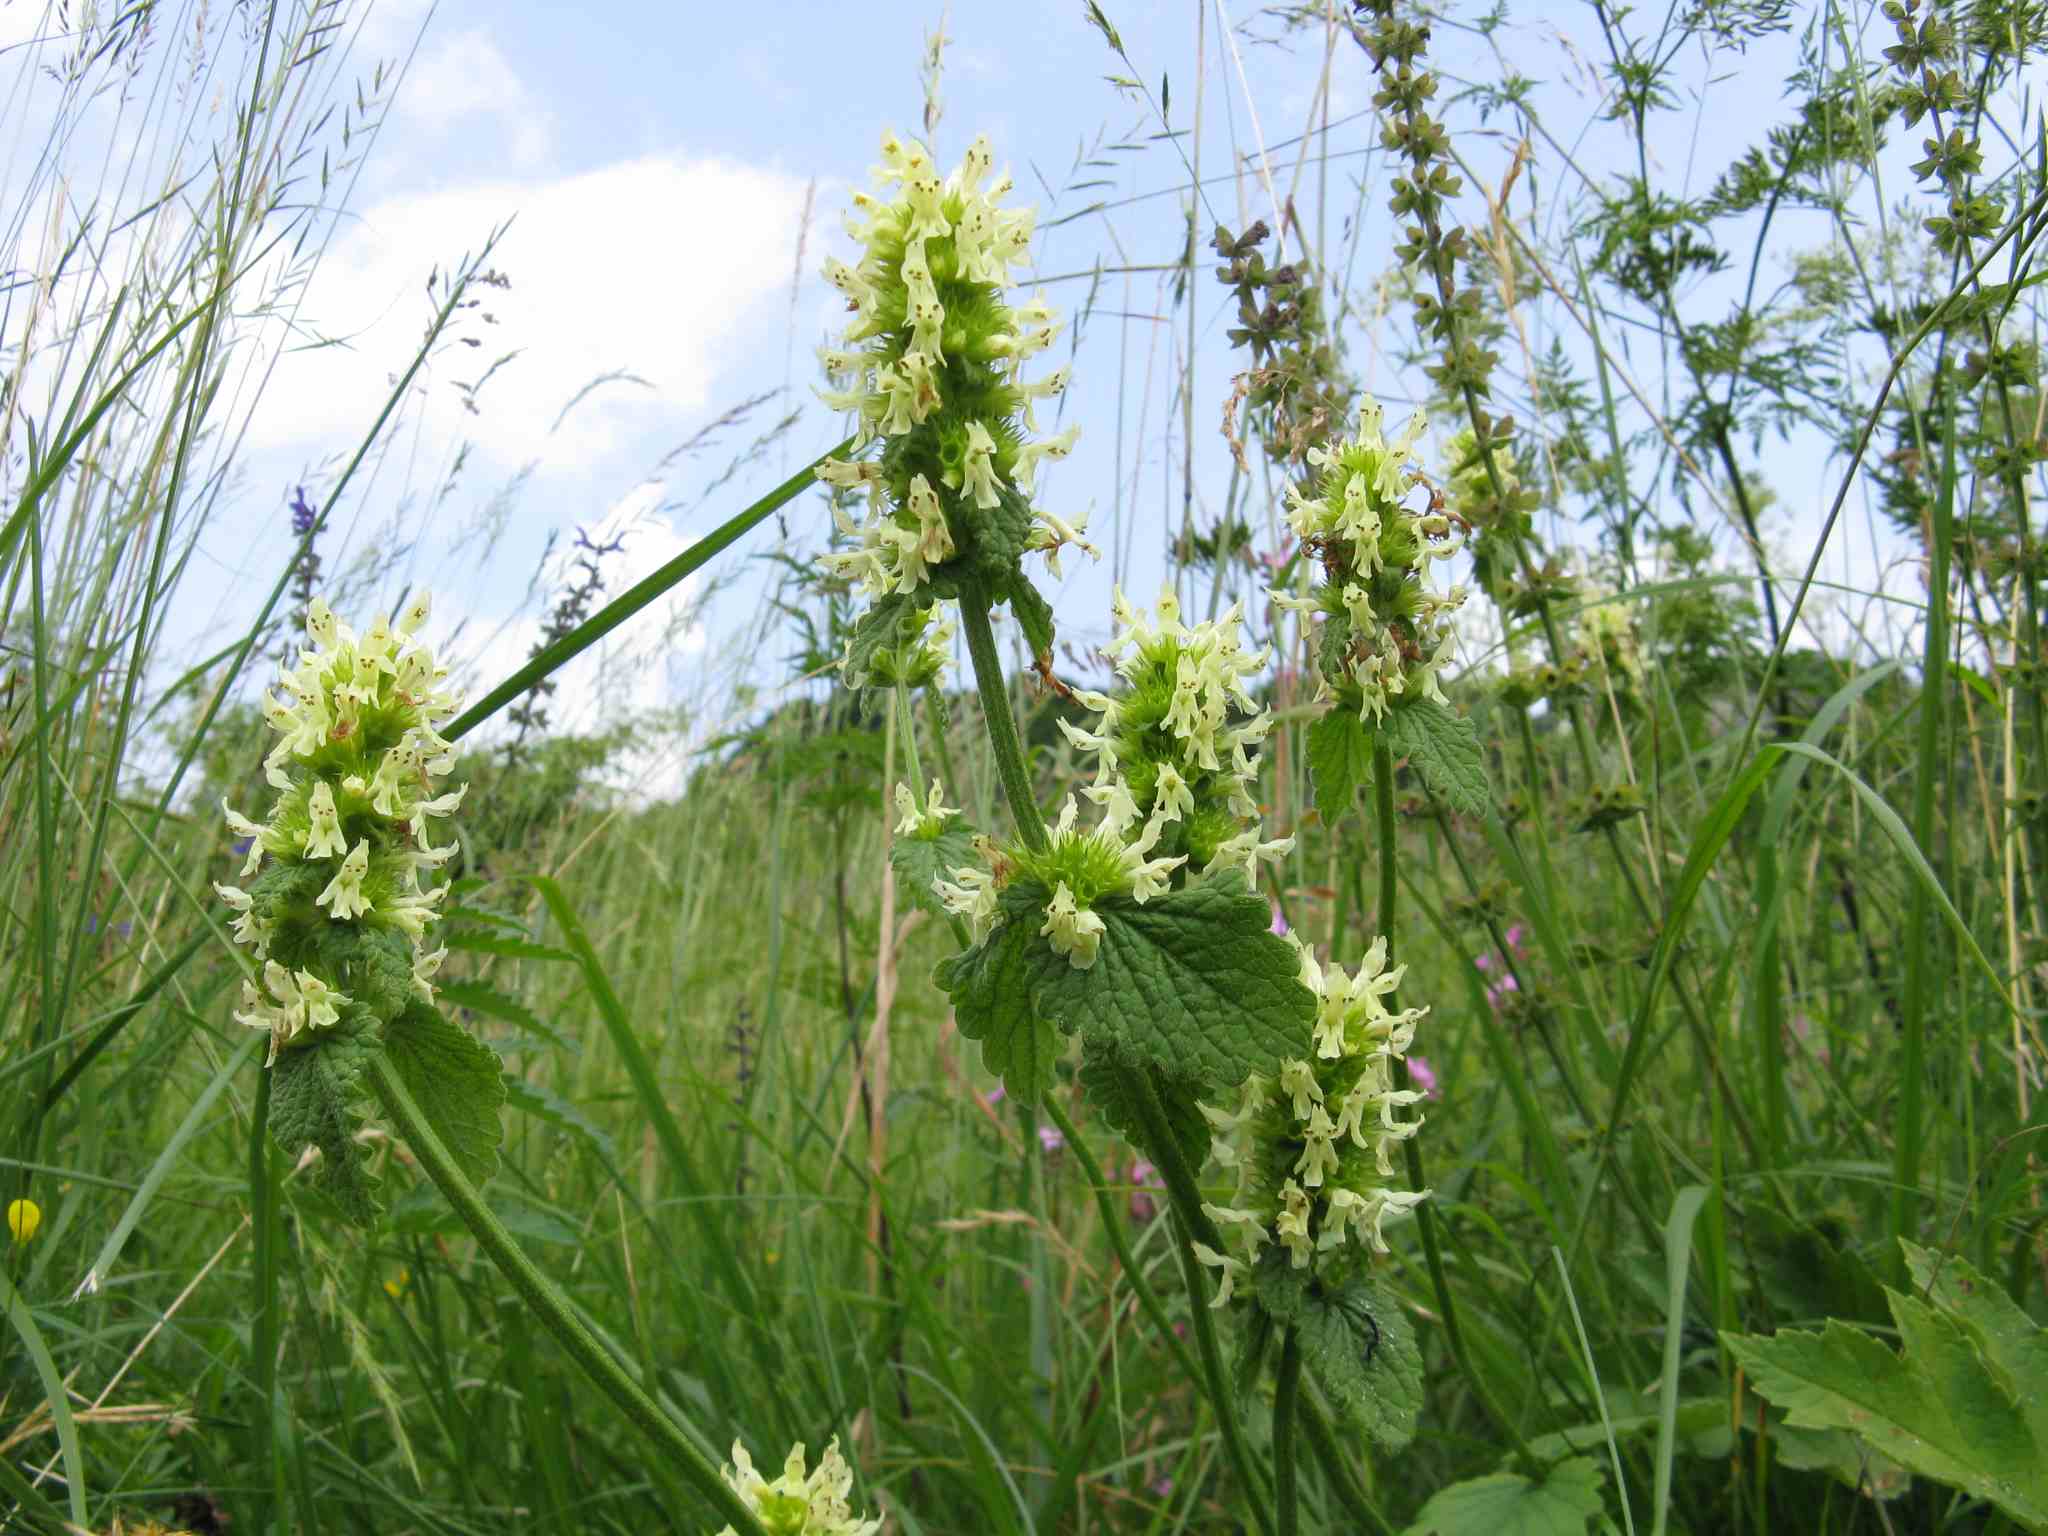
x: 1356, y: 1342
x: 991, y: 988
x: 1962, y: 1402
x: 1102, y: 1079
x: 317, y: 1099
x: 920, y: 860
x: 1508, y: 1504
x: 1194, y: 982
x: 1444, y: 749
x: 1339, y: 761
x: 456, y: 1081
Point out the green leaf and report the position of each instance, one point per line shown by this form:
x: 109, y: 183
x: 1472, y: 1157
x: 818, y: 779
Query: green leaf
x: 479, y: 997
x: 457, y: 1082
x: 1508, y: 1504
x: 534, y: 1100
x: 1962, y: 1402
x: 878, y: 629
x: 1444, y: 749
x: 991, y: 988
x: 1194, y: 982
x: 1358, y: 1345
x: 1339, y: 762
x: 920, y: 860
x: 317, y: 1099
x: 1102, y: 1080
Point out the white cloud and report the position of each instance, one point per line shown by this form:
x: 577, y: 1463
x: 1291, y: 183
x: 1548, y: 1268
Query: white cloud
x: 464, y: 83
x: 651, y: 266
x: 643, y: 669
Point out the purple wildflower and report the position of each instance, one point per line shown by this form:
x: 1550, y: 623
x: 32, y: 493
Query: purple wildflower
x: 1050, y: 1140
x: 1279, y: 922
x: 994, y: 1096
x: 1423, y: 1075
x: 1147, y: 1179
x: 1162, y: 1487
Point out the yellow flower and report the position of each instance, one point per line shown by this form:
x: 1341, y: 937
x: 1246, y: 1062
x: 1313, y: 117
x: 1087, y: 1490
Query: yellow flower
x: 23, y: 1218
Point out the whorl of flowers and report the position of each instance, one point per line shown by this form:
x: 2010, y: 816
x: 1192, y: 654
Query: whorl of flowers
x: 351, y: 830
x: 1173, y: 782
x: 1386, y: 630
x: 1313, y: 1149
x: 932, y: 362
x: 799, y: 1505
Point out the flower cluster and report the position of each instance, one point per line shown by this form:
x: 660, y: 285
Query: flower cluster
x: 799, y: 1505
x: 350, y: 834
x: 1313, y: 1149
x: 1173, y: 781
x: 1386, y: 631
x: 931, y: 363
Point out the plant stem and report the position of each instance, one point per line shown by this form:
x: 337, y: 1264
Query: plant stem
x: 1120, y: 1240
x: 1002, y: 725
x: 549, y: 1304
x: 1286, y: 1396
x: 1425, y: 1214
x: 263, y: 1326
x: 1324, y: 1444
x: 1192, y: 1223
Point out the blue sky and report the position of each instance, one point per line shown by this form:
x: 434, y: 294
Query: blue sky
x: 654, y: 163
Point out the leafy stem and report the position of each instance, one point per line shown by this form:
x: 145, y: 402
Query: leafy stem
x: 548, y: 1302
x: 1190, y: 1223
x: 1432, y: 1242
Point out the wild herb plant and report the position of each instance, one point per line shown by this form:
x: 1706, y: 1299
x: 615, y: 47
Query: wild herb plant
x: 1728, y: 921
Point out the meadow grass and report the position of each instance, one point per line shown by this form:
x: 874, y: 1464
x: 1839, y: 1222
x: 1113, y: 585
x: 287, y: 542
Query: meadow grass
x: 1735, y: 988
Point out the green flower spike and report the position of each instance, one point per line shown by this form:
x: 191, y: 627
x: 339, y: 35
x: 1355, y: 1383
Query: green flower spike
x: 796, y: 1505
x: 1386, y: 630
x: 1312, y: 1148
x: 931, y: 366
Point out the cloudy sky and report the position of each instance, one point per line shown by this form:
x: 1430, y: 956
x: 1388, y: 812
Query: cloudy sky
x: 649, y: 168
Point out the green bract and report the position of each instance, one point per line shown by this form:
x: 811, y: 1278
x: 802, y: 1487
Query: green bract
x: 932, y: 369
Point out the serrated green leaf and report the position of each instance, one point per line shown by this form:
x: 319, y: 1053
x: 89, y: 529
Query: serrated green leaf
x: 317, y: 1099
x: 1508, y: 1504
x: 457, y: 1082
x: 1851, y: 1461
x: 1194, y: 982
x: 1102, y: 1080
x: 498, y: 944
x: 1339, y: 762
x: 991, y: 989
x: 478, y: 997
x: 532, y: 1099
x: 2012, y: 1344
x: 1356, y: 1343
x: 1444, y: 749
x: 1939, y: 1406
x: 878, y: 629
x: 920, y: 860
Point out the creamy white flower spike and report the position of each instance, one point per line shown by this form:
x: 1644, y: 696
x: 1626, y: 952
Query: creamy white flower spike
x: 1387, y: 632
x: 929, y: 368
x: 1312, y: 1149
x: 346, y: 840
x: 795, y: 1504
